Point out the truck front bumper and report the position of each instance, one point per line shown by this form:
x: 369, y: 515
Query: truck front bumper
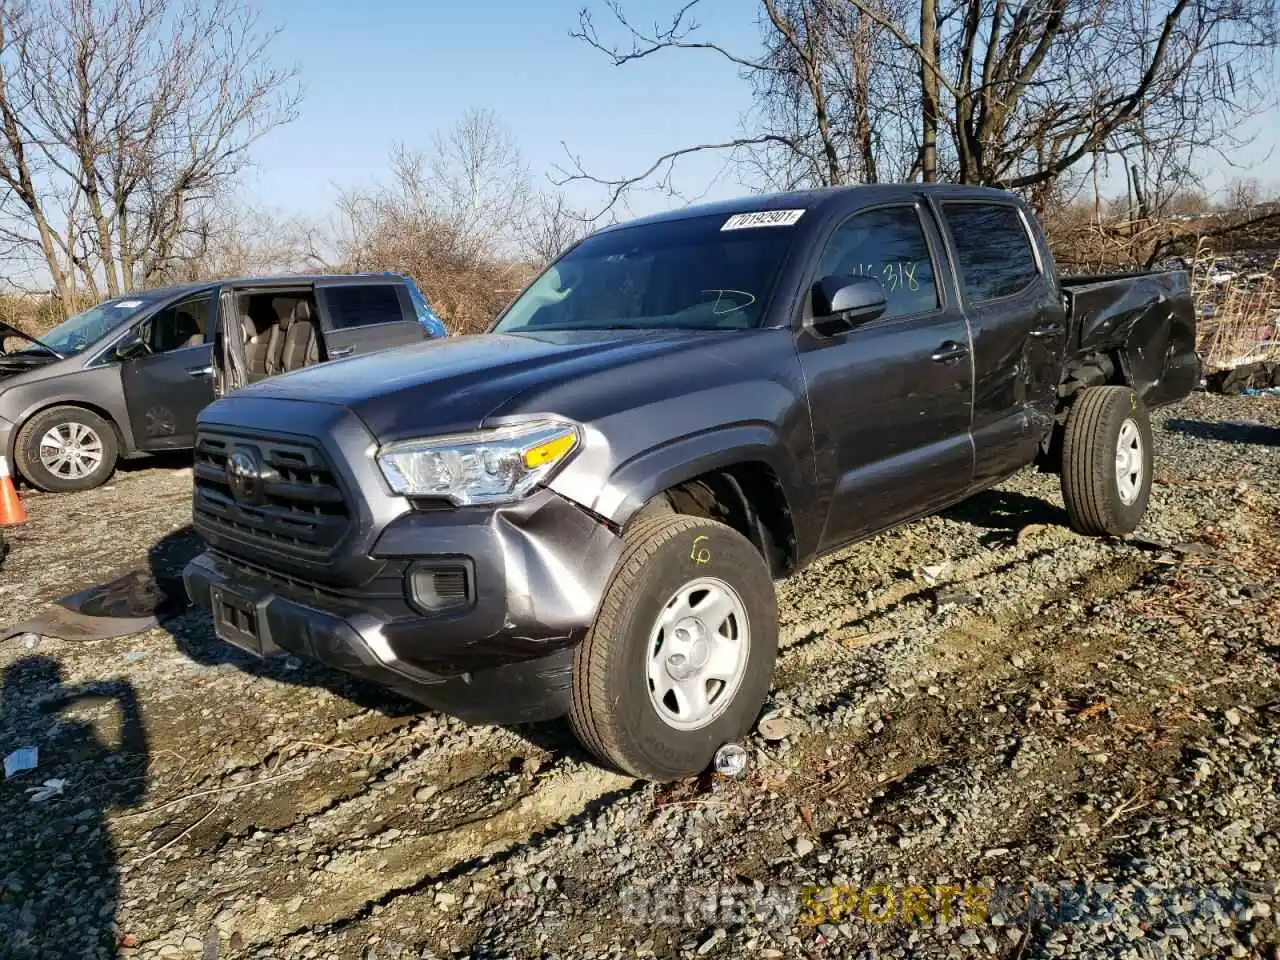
x: 537, y: 572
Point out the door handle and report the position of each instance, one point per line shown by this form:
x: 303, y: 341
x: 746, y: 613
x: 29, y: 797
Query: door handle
x: 1044, y: 333
x: 200, y: 371
x: 949, y: 350
x: 344, y: 352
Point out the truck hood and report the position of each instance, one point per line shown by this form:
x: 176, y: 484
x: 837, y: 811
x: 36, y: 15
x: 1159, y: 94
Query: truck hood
x: 453, y: 384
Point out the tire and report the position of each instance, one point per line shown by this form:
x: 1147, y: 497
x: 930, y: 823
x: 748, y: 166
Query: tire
x: 95, y: 435
x: 670, y: 563
x: 1099, y: 501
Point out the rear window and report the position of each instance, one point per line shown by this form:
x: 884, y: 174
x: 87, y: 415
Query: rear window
x: 996, y: 259
x: 363, y: 305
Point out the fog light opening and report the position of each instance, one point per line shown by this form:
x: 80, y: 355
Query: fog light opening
x: 442, y: 587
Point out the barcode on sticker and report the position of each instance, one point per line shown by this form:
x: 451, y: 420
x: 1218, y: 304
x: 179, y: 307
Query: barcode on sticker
x: 762, y: 218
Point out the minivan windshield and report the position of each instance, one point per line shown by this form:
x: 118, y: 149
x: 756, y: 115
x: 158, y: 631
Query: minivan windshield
x: 72, y: 336
x: 703, y: 273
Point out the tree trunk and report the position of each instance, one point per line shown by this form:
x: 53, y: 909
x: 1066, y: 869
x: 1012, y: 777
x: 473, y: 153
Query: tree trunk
x: 929, y: 87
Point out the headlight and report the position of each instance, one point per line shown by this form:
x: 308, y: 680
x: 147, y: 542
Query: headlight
x: 488, y: 466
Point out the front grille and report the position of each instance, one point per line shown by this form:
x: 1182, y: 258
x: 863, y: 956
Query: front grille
x: 293, y: 504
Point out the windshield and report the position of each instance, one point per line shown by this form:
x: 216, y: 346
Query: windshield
x: 72, y: 336
x: 704, y: 273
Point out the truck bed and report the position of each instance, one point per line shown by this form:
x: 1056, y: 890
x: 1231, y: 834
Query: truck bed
x: 1145, y: 320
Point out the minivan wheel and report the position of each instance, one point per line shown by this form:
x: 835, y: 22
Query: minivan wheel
x: 681, y: 654
x: 66, y: 448
x: 1106, y: 461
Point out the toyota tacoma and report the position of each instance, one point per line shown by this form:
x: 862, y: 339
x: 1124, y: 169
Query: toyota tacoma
x: 583, y: 511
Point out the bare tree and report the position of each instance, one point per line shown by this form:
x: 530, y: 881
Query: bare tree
x: 1014, y: 93
x: 239, y: 240
x: 1242, y: 195
x: 830, y: 95
x: 451, y: 217
x: 551, y: 227
x: 122, y: 123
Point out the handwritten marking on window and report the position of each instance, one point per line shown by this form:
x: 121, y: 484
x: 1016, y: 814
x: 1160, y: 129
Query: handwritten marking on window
x: 895, y: 276
x: 727, y: 301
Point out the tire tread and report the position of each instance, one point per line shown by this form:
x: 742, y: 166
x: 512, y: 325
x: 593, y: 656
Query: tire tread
x: 590, y: 698
x: 1088, y: 461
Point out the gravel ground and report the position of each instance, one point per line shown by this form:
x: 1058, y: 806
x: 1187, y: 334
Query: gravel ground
x: 988, y: 737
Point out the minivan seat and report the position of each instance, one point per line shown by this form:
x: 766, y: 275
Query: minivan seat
x: 299, y: 338
x: 283, y: 308
x: 255, y: 347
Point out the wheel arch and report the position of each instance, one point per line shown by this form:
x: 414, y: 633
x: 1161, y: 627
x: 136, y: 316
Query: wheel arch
x: 746, y: 495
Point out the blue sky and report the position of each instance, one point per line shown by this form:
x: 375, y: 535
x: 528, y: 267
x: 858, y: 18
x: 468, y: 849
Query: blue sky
x: 412, y: 68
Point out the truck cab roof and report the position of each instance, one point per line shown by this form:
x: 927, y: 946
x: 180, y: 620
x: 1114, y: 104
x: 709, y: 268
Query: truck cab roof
x: 816, y: 199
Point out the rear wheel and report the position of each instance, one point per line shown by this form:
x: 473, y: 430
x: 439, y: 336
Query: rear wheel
x: 66, y: 448
x: 1106, y: 461
x: 681, y: 655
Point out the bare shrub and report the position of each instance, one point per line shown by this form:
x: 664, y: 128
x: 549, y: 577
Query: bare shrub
x: 460, y: 218
x: 1242, y: 311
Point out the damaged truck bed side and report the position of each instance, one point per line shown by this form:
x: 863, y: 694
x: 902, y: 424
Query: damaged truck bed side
x: 583, y: 511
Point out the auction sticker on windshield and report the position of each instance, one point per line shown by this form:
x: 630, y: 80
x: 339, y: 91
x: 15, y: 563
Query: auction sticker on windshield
x: 762, y: 218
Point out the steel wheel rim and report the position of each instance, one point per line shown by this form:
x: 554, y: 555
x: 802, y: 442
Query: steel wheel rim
x: 698, y: 652
x: 1129, y: 464
x: 71, y: 451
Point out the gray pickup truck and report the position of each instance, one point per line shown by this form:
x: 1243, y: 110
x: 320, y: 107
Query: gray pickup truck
x: 583, y: 511
x: 127, y: 377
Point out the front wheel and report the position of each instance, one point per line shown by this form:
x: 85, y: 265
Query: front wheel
x: 1106, y: 461
x: 681, y: 655
x: 66, y: 448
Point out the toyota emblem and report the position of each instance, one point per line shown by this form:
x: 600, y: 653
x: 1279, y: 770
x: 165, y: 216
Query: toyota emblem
x: 245, y: 473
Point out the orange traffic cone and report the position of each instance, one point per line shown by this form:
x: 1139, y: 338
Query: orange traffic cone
x: 12, y: 512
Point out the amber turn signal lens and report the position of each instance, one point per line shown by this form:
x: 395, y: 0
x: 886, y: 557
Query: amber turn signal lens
x: 549, y: 451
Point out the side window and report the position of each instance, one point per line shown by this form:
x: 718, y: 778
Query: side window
x: 184, y: 324
x: 361, y: 305
x: 888, y: 244
x: 993, y: 249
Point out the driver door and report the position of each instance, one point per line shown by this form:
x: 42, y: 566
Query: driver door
x: 172, y: 380
x: 891, y: 398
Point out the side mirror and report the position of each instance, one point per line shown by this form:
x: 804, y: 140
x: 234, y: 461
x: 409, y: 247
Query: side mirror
x: 842, y: 303
x: 132, y: 346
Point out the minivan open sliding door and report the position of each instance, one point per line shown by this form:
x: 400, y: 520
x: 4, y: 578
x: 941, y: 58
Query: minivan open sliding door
x: 230, y: 366
x: 360, y: 315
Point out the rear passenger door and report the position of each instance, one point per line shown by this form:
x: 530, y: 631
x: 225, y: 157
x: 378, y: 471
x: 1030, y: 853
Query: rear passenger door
x: 1019, y: 332
x: 364, y: 316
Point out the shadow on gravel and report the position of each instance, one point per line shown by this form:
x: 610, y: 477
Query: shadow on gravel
x: 1227, y: 431
x: 163, y: 460
x: 61, y: 879
x: 1004, y: 513
x: 192, y: 632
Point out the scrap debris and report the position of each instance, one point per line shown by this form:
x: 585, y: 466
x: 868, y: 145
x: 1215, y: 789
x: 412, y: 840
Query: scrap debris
x: 20, y: 761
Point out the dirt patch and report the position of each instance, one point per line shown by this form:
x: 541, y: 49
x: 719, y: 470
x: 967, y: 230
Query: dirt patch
x: 981, y: 696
